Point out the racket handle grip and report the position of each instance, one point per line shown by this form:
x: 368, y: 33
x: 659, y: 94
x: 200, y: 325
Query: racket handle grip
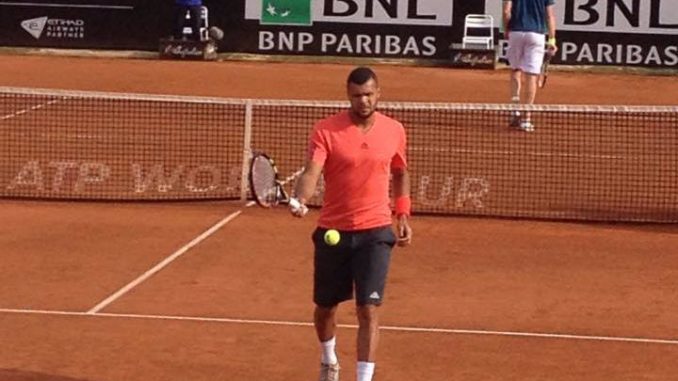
x: 297, y: 208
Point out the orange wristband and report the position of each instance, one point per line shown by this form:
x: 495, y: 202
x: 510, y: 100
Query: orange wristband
x: 403, y: 205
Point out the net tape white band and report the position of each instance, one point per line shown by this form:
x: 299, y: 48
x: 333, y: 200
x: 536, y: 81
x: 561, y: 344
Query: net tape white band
x: 10, y: 91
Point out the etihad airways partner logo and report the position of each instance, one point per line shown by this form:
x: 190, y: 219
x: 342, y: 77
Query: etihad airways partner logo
x: 35, y: 26
x: 54, y: 28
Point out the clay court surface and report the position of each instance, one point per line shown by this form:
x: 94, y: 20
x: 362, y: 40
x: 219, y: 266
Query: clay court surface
x: 222, y: 291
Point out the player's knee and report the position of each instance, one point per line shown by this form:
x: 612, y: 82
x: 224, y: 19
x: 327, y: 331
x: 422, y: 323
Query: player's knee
x: 367, y: 314
x: 323, y: 312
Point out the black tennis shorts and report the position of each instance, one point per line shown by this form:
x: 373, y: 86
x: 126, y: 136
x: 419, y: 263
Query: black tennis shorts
x: 360, y: 259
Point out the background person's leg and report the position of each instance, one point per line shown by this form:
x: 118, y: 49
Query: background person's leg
x: 530, y: 95
x: 196, y: 21
x: 516, y: 78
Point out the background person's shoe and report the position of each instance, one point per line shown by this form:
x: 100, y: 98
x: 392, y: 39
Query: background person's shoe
x: 527, y: 126
x: 514, y: 119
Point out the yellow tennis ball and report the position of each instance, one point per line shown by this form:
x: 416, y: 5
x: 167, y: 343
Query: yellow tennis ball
x: 332, y: 237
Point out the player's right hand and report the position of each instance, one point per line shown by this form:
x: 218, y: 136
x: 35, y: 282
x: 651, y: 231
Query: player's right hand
x: 404, y: 231
x: 297, y: 208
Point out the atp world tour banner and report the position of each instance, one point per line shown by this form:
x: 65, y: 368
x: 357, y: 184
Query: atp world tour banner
x: 590, y: 32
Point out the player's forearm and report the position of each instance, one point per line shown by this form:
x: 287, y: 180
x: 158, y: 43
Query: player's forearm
x: 401, y: 183
x: 307, y: 182
x: 305, y: 187
x: 402, y: 200
x: 551, y: 22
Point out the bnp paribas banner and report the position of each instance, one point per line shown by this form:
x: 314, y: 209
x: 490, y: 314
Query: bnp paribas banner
x: 613, y: 32
x: 590, y: 32
x: 370, y: 28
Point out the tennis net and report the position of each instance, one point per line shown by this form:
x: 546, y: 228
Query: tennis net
x: 606, y: 163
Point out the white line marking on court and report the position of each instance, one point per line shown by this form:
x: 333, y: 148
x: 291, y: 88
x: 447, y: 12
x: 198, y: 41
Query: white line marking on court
x: 528, y: 153
x: 36, y: 107
x: 94, y: 6
x: 163, y: 263
x: 350, y: 326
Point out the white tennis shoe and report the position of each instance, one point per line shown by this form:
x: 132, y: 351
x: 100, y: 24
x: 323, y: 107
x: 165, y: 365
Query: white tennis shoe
x: 329, y: 372
x: 527, y: 126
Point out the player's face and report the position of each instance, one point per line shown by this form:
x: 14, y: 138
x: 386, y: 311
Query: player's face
x: 363, y: 98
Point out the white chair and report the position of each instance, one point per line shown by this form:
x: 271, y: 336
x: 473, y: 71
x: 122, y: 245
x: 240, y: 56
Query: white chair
x: 204, y: 24
x: 473, y: 25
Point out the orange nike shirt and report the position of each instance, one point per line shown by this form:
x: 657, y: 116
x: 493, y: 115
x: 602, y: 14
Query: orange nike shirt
x: 356, y: 169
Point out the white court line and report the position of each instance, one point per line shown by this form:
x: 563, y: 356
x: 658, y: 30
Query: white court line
x: 36, y: 107
x: 527, y: 153
x: 162, y: 264
x: 557, y: 336
x: 94, y: 6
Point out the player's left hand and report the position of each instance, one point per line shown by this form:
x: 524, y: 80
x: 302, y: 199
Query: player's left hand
x: 297, y: 208
x: 404, y: 231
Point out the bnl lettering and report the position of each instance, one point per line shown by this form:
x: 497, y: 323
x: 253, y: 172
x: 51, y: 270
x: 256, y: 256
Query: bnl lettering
x: 591, y: 12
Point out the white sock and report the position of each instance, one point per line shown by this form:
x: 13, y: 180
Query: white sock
x: 516, y: 113
x: 328, y: 355
x: 364, y: 371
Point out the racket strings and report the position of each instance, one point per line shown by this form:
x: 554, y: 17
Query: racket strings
x: 264, y: 185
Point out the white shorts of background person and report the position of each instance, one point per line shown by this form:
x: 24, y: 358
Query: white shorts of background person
x: 526, y: 51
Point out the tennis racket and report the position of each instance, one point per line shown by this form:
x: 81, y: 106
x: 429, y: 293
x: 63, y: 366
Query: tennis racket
x: 544, y: 74
x: 265, y: 184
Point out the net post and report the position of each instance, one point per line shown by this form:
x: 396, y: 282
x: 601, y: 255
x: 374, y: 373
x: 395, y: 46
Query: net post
x: 247, y: 149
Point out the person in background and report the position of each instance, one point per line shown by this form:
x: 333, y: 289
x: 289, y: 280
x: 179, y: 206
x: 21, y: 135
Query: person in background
x: 525, y: 22
x: 181, y: 7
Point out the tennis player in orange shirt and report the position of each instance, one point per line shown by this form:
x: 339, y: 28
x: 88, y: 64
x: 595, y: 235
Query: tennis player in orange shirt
x: 357, y: 151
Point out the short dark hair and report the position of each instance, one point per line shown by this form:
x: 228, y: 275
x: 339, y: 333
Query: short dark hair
x: 360, y: 75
